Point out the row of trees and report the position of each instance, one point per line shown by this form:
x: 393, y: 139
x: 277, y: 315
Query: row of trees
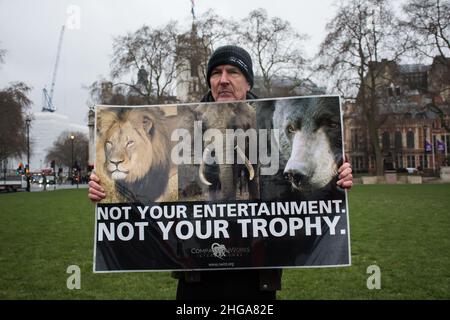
x: 364, y: 32
x: 360, y: 34
x: 69, y: 152
x: 163, y: 52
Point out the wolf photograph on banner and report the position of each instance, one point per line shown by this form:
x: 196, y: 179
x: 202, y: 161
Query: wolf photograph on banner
x: 221, y: 186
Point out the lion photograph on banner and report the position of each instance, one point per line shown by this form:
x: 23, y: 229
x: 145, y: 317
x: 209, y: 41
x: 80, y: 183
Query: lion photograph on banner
x: 133, y: 154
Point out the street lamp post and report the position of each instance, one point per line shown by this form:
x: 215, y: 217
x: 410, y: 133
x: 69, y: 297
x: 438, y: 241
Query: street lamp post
x: 72, y: 137
x: 27, y: 172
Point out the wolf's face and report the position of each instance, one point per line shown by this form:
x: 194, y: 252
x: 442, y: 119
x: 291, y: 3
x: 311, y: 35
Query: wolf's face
x: 310, y: 141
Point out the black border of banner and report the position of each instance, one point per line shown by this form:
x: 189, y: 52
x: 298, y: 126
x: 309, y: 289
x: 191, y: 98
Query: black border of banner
x: 232, y: 268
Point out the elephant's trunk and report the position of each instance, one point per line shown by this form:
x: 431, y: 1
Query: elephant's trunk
x: 227, y: 182
x: 225, y: 187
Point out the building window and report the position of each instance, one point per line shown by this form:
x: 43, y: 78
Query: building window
x: 423, y: 161
x: 393, y: 90
x: 399, y: 161
x: 354, y: 138
x: 410, y: 139
x: 358, y: 163
x: 420, y: 140
x: 398, y: 141
x: 386, y: 141
x: 372, y: 162
x: 411, y: 161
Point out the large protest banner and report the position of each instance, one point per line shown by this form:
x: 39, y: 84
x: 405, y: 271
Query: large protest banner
x: 221, y: 186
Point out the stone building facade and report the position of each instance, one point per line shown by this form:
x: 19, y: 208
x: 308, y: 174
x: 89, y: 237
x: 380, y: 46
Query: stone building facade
x: 413, y: 119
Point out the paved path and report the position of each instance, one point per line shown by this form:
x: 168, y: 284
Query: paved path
x: 40, y: 188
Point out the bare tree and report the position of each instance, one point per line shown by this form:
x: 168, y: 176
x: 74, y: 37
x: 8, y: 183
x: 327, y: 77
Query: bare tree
x: 14, y: 102
x: 429, y: 22
x: 195, y: 46
x: 106, y: 92
x: 359, y: 36
x: 275, y: 46
x: 150, y: 53
x: 211, y: 32
x: 63, y: 155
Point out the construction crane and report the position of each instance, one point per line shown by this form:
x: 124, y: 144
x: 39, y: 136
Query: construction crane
x: 48, y: 97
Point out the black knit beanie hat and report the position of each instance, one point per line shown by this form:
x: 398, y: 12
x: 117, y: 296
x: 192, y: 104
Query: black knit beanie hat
x: 232, y: 55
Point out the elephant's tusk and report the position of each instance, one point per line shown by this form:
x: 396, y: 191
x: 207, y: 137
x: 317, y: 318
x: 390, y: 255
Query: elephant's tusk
x: 201, y: 170
x: 251, y: 171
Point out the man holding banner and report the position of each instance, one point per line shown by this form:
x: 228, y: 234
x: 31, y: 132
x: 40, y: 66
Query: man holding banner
x: 230, y: 78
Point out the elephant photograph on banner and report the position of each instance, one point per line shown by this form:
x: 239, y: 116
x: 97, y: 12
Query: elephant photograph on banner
x: 219, y: 166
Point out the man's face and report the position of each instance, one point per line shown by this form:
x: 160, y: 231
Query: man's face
x: 228, y: 83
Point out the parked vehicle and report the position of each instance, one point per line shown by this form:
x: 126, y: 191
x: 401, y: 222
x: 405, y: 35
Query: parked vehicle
x: 13, y: 183
x: 48, y: 179
x: 412, y: 170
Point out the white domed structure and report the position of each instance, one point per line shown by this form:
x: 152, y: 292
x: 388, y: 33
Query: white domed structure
x: 44, y: 130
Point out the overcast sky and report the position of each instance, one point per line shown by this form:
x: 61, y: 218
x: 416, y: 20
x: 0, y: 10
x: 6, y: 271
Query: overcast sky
x: 29, y: 31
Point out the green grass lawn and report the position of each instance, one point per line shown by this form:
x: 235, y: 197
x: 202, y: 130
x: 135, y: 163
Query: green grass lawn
x: 404, y: 229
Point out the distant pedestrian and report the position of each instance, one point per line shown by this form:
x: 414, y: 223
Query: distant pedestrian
x: 44, y: 182
x: 60, y: 176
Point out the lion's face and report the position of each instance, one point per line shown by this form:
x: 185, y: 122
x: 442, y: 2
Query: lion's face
x: 132, y: 142
x: 132, y: 152
x: 125, y: 150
